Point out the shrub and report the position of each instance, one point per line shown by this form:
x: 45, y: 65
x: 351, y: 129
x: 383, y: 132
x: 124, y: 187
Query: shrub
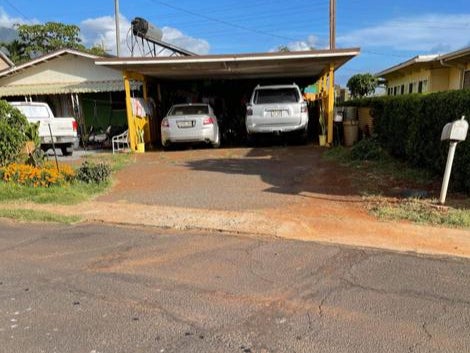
x: 368, y: 149
x: 94, y: 173
x: 13, y: 128
x: 24, y: 174
x: 409, y: 127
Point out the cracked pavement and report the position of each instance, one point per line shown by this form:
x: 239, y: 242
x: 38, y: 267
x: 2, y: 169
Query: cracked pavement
x: 94, y: 289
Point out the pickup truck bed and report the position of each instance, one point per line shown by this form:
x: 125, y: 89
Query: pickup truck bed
x: 63, y: 130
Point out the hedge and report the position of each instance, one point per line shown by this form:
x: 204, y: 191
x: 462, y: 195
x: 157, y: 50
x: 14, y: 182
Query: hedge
x: 409, y: 127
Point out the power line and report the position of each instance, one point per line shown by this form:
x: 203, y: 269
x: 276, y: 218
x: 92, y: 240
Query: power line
x: 234, y: 25
x: 16, y: 9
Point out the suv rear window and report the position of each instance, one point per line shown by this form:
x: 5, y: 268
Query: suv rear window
x: 279, y: 95
x: 189, y: 110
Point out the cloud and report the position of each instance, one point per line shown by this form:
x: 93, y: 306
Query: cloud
x: 9, y: 22
x: 431, y: 32
x: 101, y: 31
x: 176, y: 37
x: 312, y: 42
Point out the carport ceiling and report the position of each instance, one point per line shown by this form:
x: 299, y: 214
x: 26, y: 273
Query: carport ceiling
x: 238, y: 66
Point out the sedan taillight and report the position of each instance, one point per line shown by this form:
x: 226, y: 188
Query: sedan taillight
x: 165, y: 123
x: 249, y: 110
x: 208, y: 121
x: 304, y: 108
x: 74, y: 125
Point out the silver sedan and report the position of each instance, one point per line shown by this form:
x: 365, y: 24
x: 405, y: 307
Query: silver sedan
x: 190, y: 123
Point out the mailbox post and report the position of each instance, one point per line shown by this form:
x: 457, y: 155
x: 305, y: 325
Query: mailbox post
x: 455, y: 132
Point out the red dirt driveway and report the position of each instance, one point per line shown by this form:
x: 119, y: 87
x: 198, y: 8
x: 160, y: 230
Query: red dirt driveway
x: 290, y: 192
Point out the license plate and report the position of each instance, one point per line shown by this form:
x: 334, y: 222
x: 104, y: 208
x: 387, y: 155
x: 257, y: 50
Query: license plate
x: 185, y: 124
x: 276, y: 113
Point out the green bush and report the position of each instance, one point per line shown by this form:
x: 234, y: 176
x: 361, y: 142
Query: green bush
x: 368, y: 149
x: 13, y: 128
x: 94, y: 173
x: 409, y: 127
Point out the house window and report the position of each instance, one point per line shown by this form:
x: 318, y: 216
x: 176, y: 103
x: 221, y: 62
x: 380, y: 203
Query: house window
x: 410, y: 88
x: 466, y: 80
x: 395, y: 90
x: 402, y: 89
x: 420, y: 87
x: 425, y: 86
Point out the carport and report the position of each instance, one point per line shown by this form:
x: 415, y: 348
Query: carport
x: 315, y: 66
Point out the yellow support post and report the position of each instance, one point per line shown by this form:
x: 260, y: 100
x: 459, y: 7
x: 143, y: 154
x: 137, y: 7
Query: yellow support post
x: 331, y: 102
x: 130, y: 115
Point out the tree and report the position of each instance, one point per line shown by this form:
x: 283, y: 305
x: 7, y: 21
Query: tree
x: 40, y: 39
x: 45, y: 38
x: 16, y: 51
x: 361, y: 85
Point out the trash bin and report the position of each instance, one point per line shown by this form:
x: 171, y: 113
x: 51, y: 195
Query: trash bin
x: 350, y: 113
x: 351, y: 128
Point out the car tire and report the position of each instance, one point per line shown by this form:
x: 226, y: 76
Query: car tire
x: 250, y: 140
x: 67, y: 150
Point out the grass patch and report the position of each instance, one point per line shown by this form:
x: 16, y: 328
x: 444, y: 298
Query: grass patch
x: 421, y: 211
x: 67, y: 194
x: 385, y: 176
x: 64, y: 195
x: 37, y: 216
x: 374, y: 176
x: 116, y: 161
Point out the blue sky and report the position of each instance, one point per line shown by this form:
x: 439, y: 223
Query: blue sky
x: 388, y: 32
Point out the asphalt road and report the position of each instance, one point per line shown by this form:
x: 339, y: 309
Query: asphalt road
x: 99, y: 289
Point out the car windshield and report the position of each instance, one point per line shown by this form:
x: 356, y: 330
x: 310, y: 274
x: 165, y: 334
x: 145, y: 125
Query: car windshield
x: 189, y: 110
x: 34, y: 111
x: 280, y: 95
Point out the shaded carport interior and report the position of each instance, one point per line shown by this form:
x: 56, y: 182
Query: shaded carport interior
x: 230, y: 77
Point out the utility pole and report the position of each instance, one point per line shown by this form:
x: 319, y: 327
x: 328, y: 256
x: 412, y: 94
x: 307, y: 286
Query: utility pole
x: 118, y: 35
x: 332, y: 24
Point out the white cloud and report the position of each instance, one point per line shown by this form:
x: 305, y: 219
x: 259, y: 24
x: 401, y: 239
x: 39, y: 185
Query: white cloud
x: 430, y: 32
x: 176, y: 37
x: 311, y: 42
x: 7, y: 21
x: 101, y: 31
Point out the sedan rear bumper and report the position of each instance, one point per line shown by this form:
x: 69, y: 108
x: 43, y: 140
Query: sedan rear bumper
x: 188, y: 135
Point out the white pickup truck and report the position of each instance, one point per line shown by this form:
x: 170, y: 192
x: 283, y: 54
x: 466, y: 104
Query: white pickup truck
x: 63, y: 130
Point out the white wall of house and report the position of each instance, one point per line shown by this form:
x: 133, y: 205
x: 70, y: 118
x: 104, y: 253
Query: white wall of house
x: 64, y: 69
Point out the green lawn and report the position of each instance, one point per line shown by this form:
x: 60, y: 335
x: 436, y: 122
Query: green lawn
x: 68, y: 194
x: 28, y: 215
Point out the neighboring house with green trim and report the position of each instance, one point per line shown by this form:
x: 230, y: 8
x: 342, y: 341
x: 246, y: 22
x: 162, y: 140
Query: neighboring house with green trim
x: 429, y: 73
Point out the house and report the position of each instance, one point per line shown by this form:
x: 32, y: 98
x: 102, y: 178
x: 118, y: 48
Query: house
x: 5, y: 62
x: 429, y: 73
x: 70, y: 82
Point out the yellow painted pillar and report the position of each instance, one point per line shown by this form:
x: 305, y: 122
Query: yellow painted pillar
x: 331, y: 102
x: 130, y: 115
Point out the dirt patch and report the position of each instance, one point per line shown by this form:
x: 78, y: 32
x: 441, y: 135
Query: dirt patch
x: 274, y: 191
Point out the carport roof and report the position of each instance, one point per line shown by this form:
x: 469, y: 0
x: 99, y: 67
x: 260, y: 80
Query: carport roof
x: 310, y: 63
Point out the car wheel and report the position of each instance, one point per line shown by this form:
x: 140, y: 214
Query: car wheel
x: 250, y: 140
x: 67, y: 150
x: 165, y: 145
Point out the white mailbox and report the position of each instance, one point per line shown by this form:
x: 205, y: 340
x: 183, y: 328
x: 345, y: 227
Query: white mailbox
x: 455, y: 131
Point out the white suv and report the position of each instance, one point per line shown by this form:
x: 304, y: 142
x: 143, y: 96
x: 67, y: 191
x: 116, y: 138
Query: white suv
x: 276, y: 109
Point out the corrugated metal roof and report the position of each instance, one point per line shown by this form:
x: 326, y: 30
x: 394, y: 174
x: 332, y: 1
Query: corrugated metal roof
x: 64, y: 88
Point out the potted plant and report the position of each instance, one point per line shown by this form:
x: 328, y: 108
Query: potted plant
x: 140, y: 140
x: 322, y: 122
